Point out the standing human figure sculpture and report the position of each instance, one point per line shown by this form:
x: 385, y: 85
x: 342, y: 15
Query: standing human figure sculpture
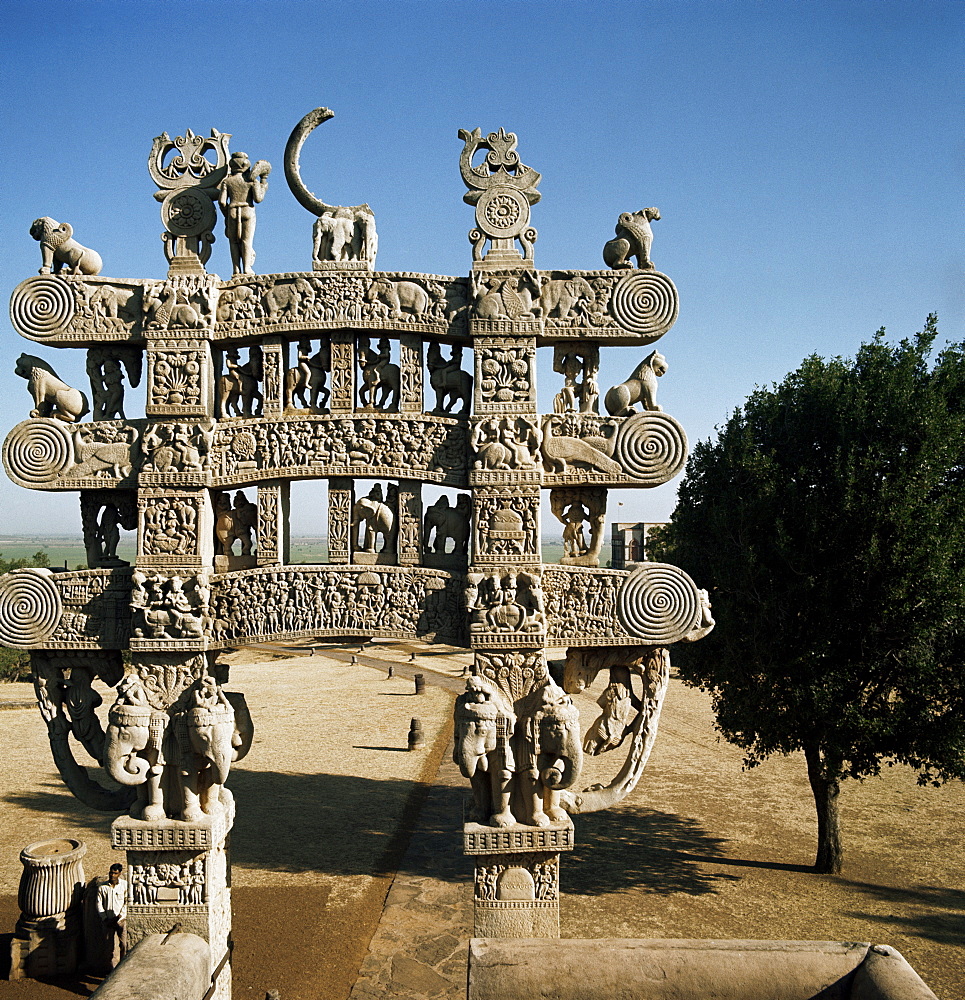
x: 243, y: 187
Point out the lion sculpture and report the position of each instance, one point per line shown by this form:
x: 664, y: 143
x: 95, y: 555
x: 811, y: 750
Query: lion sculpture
x: 640, y: 387
x: 59, y: 249
x: 51, y: 395
x: 634, y: 239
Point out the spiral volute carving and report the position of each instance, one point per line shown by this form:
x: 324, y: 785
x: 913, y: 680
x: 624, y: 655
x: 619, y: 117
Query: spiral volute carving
x: 659, y: 604
x: 37, y: 452
x: 30, y: 608
x: 41, y: 307
x: 651, y: 447
x: 645, y: 303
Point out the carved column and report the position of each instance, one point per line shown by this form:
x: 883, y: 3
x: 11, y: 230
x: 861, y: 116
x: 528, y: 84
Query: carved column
x: 273, y: 513
x: 340, y: 501
x: 410, y: 371
x: 343, y: 372
x: 176, y: 839
x: 275, y: 364
x: 410, y: 522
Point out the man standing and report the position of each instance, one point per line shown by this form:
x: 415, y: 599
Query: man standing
x: 112, y: 910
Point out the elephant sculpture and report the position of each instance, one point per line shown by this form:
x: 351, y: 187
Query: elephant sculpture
x: 484, y: 724
x: 634, y: 237
x: 549, y: 755
x: 378, y: 519
x: 448, y: 522
x: 177, y: 758
x: 560, y: 295
x: 59, y: 249
x: 399, y: 297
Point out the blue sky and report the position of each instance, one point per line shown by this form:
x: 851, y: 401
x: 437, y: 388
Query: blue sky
x: 807, y: 159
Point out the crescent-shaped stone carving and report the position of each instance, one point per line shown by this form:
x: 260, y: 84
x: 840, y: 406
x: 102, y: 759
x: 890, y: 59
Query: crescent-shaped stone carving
x: 293, y: 150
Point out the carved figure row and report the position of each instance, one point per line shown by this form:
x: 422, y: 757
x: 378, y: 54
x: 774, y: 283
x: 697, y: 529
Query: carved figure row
x: 166, y: 607
x: 253, y: 603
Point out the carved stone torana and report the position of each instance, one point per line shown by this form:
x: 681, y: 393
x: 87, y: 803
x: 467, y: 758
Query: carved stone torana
x: 356, y: 377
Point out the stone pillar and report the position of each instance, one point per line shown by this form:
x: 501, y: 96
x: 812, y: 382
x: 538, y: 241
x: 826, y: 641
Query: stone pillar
x: 273, y: 513
x: 410, y: 522
x: 180, y: 377
x: 410, y: 372
x: 343, y: 372
x: 340, y: 502
x: 47, y: 938
x: 517, y: 878
x: 275, y: 364
x: 177, y: 873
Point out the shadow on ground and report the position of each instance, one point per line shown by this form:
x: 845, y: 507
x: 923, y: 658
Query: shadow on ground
x: 942, y: 915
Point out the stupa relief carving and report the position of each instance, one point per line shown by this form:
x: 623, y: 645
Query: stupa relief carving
x: 349, y: 375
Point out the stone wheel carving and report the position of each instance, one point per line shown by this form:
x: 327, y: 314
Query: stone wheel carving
x: 645, y: 303
x: 659, y: 604
x: 30, y: 608
x: 188, y: 213
x: 41, y: 307
x: 651, y: 447
x: 37, y: 452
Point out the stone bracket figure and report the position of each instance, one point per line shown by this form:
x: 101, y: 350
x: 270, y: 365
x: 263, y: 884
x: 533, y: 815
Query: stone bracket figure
x: 239, y: 392
x: 307, y: 382
x: 343, y: 236
x: 107, y: 379
x: 52, y: 396
x: 373, y: 518
x: 243, y: 188
x: 640, y: 387
x: 381, y: 379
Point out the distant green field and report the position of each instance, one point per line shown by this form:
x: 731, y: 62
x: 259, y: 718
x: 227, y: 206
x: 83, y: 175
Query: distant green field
x: 69, y: 551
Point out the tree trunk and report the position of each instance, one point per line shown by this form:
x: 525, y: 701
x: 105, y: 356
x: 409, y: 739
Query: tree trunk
x: 825, y: 778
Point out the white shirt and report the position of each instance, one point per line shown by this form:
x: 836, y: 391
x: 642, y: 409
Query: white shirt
x: 112, y: 900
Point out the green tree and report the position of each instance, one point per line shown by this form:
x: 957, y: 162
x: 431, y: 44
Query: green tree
x: 828, y: 520
x: 39, y: 558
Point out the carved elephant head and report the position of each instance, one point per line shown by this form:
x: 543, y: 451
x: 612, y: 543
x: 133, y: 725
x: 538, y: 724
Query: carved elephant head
x: 128, y: 733
x: 553, y: 731
x: 211, y: 732
x: 480, y: 712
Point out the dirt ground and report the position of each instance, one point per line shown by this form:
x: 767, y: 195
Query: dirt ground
x: 701, y: 849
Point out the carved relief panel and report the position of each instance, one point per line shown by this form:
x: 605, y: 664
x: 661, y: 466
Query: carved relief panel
x: 174, y: 528
x: 505, y: 379
x: 506, y: 525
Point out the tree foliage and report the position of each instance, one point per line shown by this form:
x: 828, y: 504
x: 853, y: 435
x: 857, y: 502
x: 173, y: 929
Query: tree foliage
x: 828, y: 520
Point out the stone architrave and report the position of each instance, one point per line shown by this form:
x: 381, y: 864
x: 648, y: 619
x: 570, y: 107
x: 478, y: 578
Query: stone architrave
x: 273, y: 512
x: 341, y: 500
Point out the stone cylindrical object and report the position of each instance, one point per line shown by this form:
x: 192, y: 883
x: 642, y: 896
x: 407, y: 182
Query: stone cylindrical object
x: 417, y: 738
x: 52, y: 878
x: 420, y: 683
